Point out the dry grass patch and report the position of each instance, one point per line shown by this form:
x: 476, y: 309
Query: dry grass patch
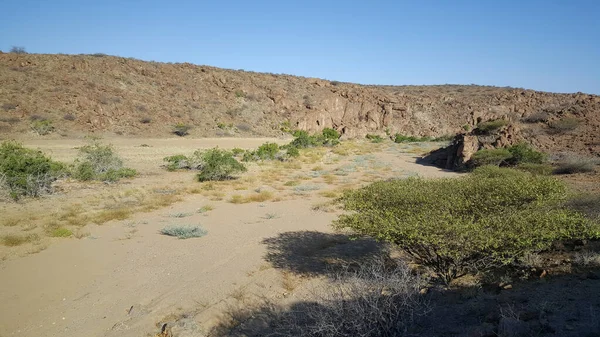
x: 111, y: 214
x: 13, y: 240
x: 289, y: 281
x: 329, y: 178
x: 292, y: 183
x: 330, y: 193
x: 10, y: 221
x: 261, y: 196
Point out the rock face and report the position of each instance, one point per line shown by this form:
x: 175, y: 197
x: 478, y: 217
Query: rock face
x: 457, y: 155
x: 109, y: 94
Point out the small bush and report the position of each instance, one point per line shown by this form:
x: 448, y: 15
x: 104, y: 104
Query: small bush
x: 573, y: 163
x: 181, y: 129
x: 12, y: 240
x: 184, y: 232
x: 146, y: 120
x: 565, y: 125
x: 18, y: 50
x: 330, y: 133
x: 292, y: 152
x: 490, y: 126
x: 538, y: 117
x: 42, y: 127
x: 177, y: 162
x: 218, y: 164
x: 490, y: 157
x: 267, y: 151
x: 473, y: 223
x: 523, y: 153
x: 9, y: 106
x: 99, y: 162
x: 236, y: 151
x: 374, y: 138
x: 27, y: 172
x: 69, y: 117
x: 303, y: 140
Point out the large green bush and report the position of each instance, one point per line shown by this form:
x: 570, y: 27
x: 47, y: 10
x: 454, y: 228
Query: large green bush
x: 473, y: 223
x: 100, y: 162
x: 26, y: 172
x: 523, y: 153
x: 302, y: 140
x: 218, y: 164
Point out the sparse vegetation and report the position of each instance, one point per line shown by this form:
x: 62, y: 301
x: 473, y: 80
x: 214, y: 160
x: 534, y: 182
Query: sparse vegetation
x: 474, y: 223
x: 69, y: 117
x: 17, y: 240
x: 490, y: 157
x: 538, y: 117
x: 374, y: 138
x: 487, y: 127
x: 573, y: 163
x: 398, y: 138
x: 564, y: 125
x: 184, y: 232
x: 61, y: 232
x: 26, y: 172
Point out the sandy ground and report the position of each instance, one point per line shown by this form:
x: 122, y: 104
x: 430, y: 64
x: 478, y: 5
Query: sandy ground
x: 123, y: 278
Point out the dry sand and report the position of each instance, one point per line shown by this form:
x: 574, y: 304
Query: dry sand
x: 124, y: 277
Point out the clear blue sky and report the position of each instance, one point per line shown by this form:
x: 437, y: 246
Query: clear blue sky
x: 550, y: 45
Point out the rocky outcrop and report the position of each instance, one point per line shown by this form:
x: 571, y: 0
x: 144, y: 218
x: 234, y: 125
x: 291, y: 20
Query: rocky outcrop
x: 457, y: 155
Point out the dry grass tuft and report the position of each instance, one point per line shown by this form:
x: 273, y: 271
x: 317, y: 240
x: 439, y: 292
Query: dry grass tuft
x: 13, y: 240
x: 111, y: 214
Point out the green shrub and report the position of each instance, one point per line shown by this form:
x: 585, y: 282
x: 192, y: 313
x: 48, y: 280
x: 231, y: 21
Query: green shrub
x: 42, y: 127
x: 490, y: 126
x: 176, y: 162
x: 181, y: 129
x: 523, y: 153
x: 267, y: 151
x: 26, y: 172
x: 184, y: 232
x: 473, y: 223
x: 374, y: 138
x: 330, y: 134
x: 292, y: 152
x: 236, y: 151
x: 218, y: 164
x: 490, y: 157
x: 61, y: 232
x: 99, y: 162
x: 398, y: 138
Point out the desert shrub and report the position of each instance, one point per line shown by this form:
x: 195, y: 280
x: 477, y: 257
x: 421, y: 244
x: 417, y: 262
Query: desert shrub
x: 374, y: 138
x: 572, y: 163
x: 69, y: 117
x: 177, y: 162
x: 181, y: 129
x: 184, y: 232
x: 267, y: 151
x: 564, y: 125
x: 292, y: 152
x: 490, y: 157
x: 330, y: 133
x: 218, y: 164
x: 146, y: 120
x: 490, y: 126
x: 524, y: 153
x: 473, y: 223
x: 444, y: 138
x: 26, y: 172
x: 537, y: 117
x: 236, y: 151
x: 398, y: 138
x: 99, y: 162
x: 9, y: 106
x: 42, y: 127
x: 18, y: 50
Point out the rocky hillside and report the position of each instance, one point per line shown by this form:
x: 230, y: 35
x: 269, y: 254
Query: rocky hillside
x: 103, y: 94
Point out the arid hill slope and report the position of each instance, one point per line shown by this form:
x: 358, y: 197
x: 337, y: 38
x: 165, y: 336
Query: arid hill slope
x: 105, y: 94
